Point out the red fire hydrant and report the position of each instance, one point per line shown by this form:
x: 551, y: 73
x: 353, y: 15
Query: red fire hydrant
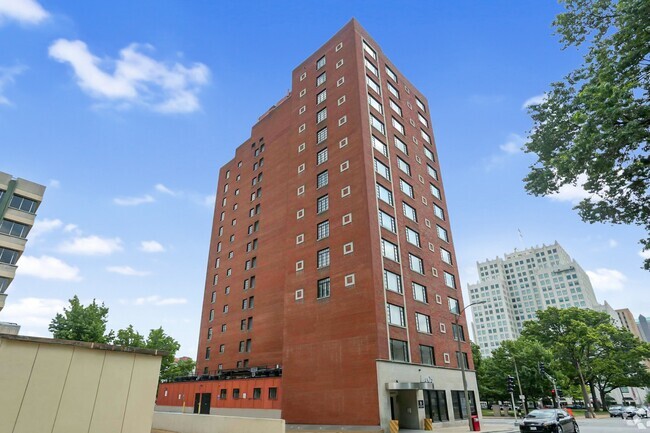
x: 476, y: 426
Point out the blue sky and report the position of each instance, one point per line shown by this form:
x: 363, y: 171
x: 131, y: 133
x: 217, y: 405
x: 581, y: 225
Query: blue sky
x: 126, y: 110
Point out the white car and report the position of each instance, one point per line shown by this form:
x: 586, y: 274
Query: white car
x: 642, y: 412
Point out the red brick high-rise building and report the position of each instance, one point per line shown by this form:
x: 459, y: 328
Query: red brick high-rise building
x: 331, y: 254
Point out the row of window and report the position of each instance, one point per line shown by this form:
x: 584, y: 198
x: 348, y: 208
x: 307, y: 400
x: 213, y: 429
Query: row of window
x: 13, y: 228
x: 399, y: 351
x: 396, y: 316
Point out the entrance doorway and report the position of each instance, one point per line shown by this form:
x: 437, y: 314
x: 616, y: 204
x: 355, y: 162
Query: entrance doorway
x: 404, y: 407
x: 202, y: 403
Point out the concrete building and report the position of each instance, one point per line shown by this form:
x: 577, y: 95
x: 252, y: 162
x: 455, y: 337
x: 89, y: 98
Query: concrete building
x: 626, y: 318
x: 19, y: 200
x: 331, y: 254
x: 515, y: 287
x: 644, y: 327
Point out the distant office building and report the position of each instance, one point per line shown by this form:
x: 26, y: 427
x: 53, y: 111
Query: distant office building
x: 515, y: 287
x: 19, y: 200
x: 606, y: 308
x: 627, y: 320
x: 644, y: 327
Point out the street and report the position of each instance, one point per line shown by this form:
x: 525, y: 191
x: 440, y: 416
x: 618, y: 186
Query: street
x: 600, y: 425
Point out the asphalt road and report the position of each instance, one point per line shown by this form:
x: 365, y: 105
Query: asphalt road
x: 600, y: 425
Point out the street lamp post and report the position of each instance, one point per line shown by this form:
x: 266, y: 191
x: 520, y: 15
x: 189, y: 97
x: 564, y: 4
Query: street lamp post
x: 461, y: 361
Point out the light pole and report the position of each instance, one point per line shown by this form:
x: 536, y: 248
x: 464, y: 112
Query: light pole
x: 461, y: 361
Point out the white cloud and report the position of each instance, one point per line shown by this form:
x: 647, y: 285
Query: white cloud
x: 157, y: 300
x: 91, y: 246
x: 33, y: 312
x: 151, y: 247
x: 70, y: 228
x: 127, y: 270
x: 162, y: 188
x: 535, y: 100
x: 54, y: 183
x: 8, y: 76
x: 644, y: 254
x: 573, y: 193
x: 23, y: 11
x: 135, y: 78
x: 613, y: 243
x: 42, y: 226
x: 607, y: 280
x: 47, y: 268
x: 133, y: 201
x: 209, y: 200
x: 513, y: 145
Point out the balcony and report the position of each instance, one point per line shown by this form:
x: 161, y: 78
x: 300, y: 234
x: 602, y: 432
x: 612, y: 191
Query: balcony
x: 12, y: 242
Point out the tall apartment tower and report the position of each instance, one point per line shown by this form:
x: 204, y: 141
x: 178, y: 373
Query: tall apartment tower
x: 19, y: 200
x: 516, y: 287
x: 627, y: 320
x: 331, y: 252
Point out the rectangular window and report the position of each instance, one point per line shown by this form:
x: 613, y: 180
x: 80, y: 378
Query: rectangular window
x: 423, y: 120
x: 409, y: 212
x: 454, y: 306
x: 386, y: 221
x: 322, y: 96
x: 368, y: 49
x: 322, y: 179
x: 420, y: 104
x: 458, y: 331
x: 435, y: 191
x: 321, y: 79
x: 450, y: 280
x: 384, y: 194
x: 8, y: 256
x: 425, y: 136
x: 321, y: 156
x: 323, y: 288
x: 432, y: 172
x: 406, y: 188
x: 257, y: 393
x: 389, y: 250
x: 392, y: 281
x: 321, y: 115
x: 419, y: 292
x: 323, y: 230
x: 438, y: 211
x: 426, y: 355
x: 391, y: 74
x: 393, y: 90
x: 273, y: 393
x: 322, y: 204
x: 320, y: 63
x: 375, y: 104
x: 401, y: 145
x: 428, y: 154
x: 372, y: 68
x: 377, y: 124
x: 235, y: 393
x: 442, y: 233
x: 412, y: 237
x: 396, y: 108
x: 374, y: 86
x: 382, y: 169
x: 377, y: 144
x: 423, y: 323
x: 323, y: 258
x: 445, y: 256
x: 321, y: 135
x: 399, y: 350
x: 223, y: 394
x: 416, y: 264
x: 402, y: 165
x: 435, y: 405
x: 12, y: 228
x: 464, y: 358
x: 397, y: 125
x: 24, y: 204
x: 395, y: 315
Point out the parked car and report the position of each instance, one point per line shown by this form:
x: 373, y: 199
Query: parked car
x: 548, y: 421
x: 642, y: 411
x: 616, y: 411
x: 632, y: 411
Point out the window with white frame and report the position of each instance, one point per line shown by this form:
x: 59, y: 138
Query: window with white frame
x: 391, y: 74
x: 435, y: 191
x: 416, y: 264
x: 384, y: 194
x: 392, y: 281
x: 377, y: 124
x: 445, y: 256
x: 393, y: 90
x: 323, y: 258
x: 368, y: 49
x: 321, y: 135
x: 389, y: 250
x: 423, y: 323
x: 423, y: 120
x: 395, y: 315
x: 438, y: 211
x: 419, y: 292
x: 321, y: 115
x: 382, y: 169
x: 396, y: 108
x: 402, y: 165
x: 321, y: 97
x: 400, y: 145
x: 450, y: 280
x: 322, y: 204
x: 432, y: 172
x: 321, y: 62
x: 387, y: 221
x: 373, y: 85
x: 409, y: 212
x: 375, y: 104
x: 428, y: 153
x: 372, y: 68
x: 399, y: 350
x: 420, y: 104
x: 425, y: 136
x: 454, y: 306
x: 323, y: 230
x: 321, y: 79
x: 412, y: 237
x: 322, y: 179
x: 379, y: 145
x: 442, y: 233
x: 397, y: 125
x: 323, y: 288
x: 406, y: 188
x: 321, y: 156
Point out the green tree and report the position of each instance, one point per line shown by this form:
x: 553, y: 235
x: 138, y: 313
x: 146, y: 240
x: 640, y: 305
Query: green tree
x: 593, y: 127
x: 82, y: 323
x: 157, y: 339
x: 180, y: 367
x: 129, y: 337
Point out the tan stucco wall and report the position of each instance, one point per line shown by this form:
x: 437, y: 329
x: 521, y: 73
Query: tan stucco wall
x: 64, y: 388
x: 193, y: 423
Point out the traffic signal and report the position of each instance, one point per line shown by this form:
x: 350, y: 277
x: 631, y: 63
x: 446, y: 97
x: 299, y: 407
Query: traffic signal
x: 542, y: 368
x: 553, y: 393
x: 559, y: 392
x: 510, y: 382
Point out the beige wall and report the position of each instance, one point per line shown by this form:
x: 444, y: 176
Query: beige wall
x: 70, y: 387
x: 192, y: 423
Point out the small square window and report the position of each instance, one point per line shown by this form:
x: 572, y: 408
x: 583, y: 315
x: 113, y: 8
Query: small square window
x: 300, y: 265
x: 347, y: 218
x: 300, y: 294
x: 411, y: 122
x: 341, y: 100
x: 443, y: 328
x: 408, y: 104
x: 339, y: 63
x: 349, y: 280
x: 418, y: 159
x: 446, y: 358
x: 302, y: 109
x: 342, y: 120
x: 339, y: 46
x: 301, y: 168
x: 345, y: 191
x: 300, y: 239
x: 301, y: 147
x: 421, y: 179
x: 434, y: 272
x: 301, y: 190
x: 343, y: 142
x: 345, y: 165
x: 427, y: 223
x: 300, y: 214
x: 348, y: 248
x: 303, y: 76
x: 340, y: 82
x: 301, y: 128
x: 424, y: 200
x: 303, y: 92
x: 438, y: 299
x: 431, y: 247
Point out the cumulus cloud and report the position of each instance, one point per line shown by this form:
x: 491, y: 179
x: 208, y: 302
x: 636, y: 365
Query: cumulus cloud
x: 133, y: 201
x: 91, y: 246
x: 159, y: 301
x: 607, y: 280
x: 513, y: 145
x: 162, y: 188
x: 32, y: 312
x: 8, y: 76
x: 47, y: 268
x: 644, y: 254
x: 23, y: 11
x: 151, y: 247
x: 535, y: 100
x: 54, y: 183
x: 134, y: 78
x: 573, y: 193
x: 128, y: 271
x: 42, y: 226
